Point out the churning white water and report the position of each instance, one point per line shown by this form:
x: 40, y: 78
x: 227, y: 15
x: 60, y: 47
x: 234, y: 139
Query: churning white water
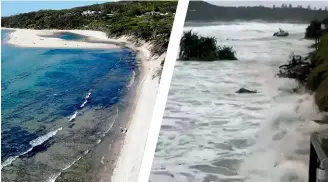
x: 210, y: 133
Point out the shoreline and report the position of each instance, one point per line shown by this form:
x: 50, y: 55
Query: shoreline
x: 306, y: 71
x: 141, y: 97
x: 220, y: 22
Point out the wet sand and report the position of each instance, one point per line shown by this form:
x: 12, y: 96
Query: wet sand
x: 99, y: 163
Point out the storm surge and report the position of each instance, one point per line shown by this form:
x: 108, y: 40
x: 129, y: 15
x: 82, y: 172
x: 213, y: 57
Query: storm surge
x: 211, y: 133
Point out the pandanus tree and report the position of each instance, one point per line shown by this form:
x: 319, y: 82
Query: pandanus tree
x: 187, y: 44
x: 196, y: 47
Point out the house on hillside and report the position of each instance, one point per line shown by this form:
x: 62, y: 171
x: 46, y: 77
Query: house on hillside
x: 88, y: 12
x: 84, y: 13
x: 154, y: 13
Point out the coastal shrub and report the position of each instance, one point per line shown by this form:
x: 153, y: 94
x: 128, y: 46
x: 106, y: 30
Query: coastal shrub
x: 321, y: 95
x: 318, y: 78
x: 317, y: 75
x: 158, y: 46
x: 320, y: 62
x: 227, y: 53
x: 197, y: 47
x: 323, y: 45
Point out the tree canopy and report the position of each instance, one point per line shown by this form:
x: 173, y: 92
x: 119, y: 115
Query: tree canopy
x: 197, y: 47
x: 206, y: 12
x: 132, y: 18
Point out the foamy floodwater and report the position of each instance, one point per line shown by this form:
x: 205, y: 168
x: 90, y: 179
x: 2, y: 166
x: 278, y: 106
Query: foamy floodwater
x: 210, y: 133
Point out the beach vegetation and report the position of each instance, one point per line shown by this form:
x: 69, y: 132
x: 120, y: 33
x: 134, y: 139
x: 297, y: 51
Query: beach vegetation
x: 318, y: 78
x: 197, y: 47
x: 313, y: 73
x: 321, y: 96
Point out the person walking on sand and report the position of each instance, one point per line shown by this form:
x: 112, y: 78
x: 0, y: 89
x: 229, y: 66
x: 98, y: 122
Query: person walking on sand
x: 123, y: 130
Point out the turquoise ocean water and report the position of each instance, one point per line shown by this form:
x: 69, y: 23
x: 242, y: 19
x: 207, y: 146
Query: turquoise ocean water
x: 52, y: 97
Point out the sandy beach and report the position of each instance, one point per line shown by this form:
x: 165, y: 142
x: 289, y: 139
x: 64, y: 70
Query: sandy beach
x: 36, y: 38
x: 127, y: 151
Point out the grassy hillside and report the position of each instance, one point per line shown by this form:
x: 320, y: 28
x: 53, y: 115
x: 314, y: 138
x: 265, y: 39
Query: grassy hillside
x: 146, y: 20
x: 318, y: 77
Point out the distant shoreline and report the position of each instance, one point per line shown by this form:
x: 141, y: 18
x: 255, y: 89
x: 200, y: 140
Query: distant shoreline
x: 206, y: 11
x: 137, y: 115
x: 220, y: 22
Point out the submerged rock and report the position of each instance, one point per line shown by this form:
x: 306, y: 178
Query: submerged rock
x: 246, y: 91
x: 322, y: 121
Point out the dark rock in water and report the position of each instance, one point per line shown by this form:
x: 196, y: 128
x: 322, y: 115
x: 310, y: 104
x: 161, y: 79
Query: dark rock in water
x: 71, y: 125
x: 38, y: 149
x: 246, y: 91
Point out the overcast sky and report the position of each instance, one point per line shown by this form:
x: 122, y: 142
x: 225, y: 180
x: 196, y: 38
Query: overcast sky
x: 317, y: 4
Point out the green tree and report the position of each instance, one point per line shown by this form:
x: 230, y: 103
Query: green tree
x: 114, y: 18
x: 314, y: 31
x: 196, y: 47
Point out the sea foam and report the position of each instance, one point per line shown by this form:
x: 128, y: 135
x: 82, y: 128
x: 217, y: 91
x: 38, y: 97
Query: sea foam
x: 36, y: 142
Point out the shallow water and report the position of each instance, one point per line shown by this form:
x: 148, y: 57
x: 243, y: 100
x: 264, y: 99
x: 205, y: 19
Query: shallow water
x: 57, y: 104
x: 210, y: 133
x: 65, y: 36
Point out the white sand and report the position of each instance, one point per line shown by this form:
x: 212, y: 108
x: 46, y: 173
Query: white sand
x: 129, y: 162
x: 33, y: 38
